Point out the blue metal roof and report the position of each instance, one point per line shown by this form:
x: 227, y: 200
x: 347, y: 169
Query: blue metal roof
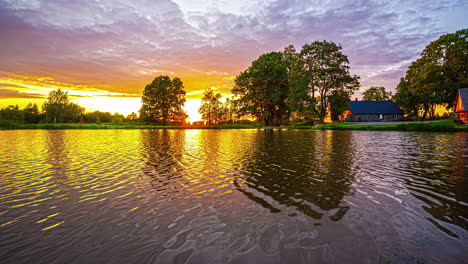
x: 374, y: 107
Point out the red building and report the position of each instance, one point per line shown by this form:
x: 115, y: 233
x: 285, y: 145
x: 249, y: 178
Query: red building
x: 461, y: 105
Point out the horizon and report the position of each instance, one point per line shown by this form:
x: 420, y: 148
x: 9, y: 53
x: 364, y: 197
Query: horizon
x: 104, y: 54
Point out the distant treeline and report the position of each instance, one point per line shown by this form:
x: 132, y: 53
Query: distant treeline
x: 58, y: 109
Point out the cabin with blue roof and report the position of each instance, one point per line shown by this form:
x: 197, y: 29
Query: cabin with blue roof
x: 372, y: 111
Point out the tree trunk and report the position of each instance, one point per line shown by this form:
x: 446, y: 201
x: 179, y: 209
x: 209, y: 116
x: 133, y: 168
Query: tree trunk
x: 424, y: 114
x: 269, y: 120
x: 164, y: 117
x: 323, y: 114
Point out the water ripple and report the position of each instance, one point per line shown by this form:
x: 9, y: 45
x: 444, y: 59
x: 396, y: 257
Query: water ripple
x: 219, y: 196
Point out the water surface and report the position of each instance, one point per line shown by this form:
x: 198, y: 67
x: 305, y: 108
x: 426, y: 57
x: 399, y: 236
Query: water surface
x: 233, y: 196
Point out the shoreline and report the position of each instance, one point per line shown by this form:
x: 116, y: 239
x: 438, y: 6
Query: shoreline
x: 428, y: 126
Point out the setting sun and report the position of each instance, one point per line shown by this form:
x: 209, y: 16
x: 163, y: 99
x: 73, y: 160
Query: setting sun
x: 191, y: 107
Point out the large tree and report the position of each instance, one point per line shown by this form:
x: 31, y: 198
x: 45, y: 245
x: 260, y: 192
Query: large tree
x: 299, y: 102
x: 433, y: 79
x: 58, y: 109
x: 323, y: 70
x: 55, y: 106
x: 162, y: 101
x: 211, y: 109
x: 376, y: 94
x: 262, y: 90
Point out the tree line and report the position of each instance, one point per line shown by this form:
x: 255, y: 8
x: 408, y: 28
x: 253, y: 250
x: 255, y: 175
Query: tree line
x: 281, y: 87
x: 276, y: 87
x: 294, y: 84
x: 58, y: 109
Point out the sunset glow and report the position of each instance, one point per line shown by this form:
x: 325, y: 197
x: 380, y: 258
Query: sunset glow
x: 103, y: 53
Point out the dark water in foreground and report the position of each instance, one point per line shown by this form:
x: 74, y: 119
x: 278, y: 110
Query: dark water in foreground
x: 233, y: 196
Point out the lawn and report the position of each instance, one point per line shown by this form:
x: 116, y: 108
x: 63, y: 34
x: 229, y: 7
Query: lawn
x: 446, y: 125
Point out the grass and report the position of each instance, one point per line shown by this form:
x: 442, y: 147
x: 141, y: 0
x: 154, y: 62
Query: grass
x: 14, y: 126
x: 446, y: 125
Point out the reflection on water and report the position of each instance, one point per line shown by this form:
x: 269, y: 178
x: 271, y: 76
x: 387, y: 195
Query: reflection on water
x: 233, y: 196
x: 308, y: 174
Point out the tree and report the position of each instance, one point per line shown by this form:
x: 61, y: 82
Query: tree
x: 433, y: 79
x: 132, y: 117
x: 162, y: 101
x: 376, y: 94
x: 339, y: 100
x: 117, y: 118
x: 55, y: 106
x: 73, y: 113
x: 12, y: 113
x: 321, y: 70
x: 262, y: 90
x: 231, y: 111
x: 211, y: 109
x: 58, y: 109
x: 31, y: 114
x: 300, y: 103
x: 409, y: 102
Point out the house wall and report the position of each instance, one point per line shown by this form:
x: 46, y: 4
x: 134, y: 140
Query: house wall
x: 374, y: 117
x: 463, y: 116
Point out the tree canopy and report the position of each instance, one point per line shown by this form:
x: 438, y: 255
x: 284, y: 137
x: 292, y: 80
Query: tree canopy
x: 433, y: 79
x: 211, y: 109
x: 162, y: 101
x: 325, y: 70
x: 58, y: 109
x: 262, y: 90
x: 376, y: 94
x: 306, y: 83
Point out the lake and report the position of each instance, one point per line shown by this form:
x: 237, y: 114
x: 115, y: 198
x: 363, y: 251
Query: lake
x: 233, y: 196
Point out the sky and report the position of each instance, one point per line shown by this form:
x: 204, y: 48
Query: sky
x: 104, y: 52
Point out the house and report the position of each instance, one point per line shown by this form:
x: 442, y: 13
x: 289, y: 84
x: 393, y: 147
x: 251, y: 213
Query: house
x: 461, y: 105
x: 361, y: 111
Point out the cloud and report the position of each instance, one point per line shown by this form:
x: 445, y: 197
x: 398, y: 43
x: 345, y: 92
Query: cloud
x: 120, y: 46
x: 12, y: 93
x: 42, y: 85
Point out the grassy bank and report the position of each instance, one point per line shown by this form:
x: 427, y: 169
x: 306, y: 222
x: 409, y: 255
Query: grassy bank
x: 13, y: 126
x: 440, y: 126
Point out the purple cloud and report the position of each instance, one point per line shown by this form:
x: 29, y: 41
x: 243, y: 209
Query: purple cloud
x: 122, y: 45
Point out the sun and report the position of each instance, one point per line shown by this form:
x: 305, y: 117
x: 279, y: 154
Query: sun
x: 191, y: 106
